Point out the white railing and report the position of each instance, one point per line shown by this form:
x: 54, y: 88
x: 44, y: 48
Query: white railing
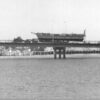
x: 91, y: 41
x: 5, y: 41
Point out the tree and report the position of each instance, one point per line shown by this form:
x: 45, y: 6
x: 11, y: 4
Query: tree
x: 27, y: 41
x: 18, y: 40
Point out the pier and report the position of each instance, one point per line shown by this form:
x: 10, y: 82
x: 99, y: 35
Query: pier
x: 59, y: 48
x: 59, y: 43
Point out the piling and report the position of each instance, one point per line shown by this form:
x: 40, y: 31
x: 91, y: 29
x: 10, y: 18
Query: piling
x: 59, y: 51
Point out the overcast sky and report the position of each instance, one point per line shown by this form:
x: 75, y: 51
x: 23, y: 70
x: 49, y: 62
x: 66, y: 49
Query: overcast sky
x: 21, y: 17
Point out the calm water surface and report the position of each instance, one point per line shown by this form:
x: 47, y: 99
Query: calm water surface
x: 48, y: 79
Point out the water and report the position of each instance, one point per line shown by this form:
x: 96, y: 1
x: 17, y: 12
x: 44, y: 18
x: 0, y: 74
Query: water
x: 75, y: 78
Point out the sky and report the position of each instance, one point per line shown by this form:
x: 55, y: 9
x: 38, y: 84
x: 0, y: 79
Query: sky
x: 21, y: 17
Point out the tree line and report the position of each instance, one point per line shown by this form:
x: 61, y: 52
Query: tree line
x: 20, y: 40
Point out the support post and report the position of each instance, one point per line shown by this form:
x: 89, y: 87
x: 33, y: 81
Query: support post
x: 59, y: 53
x: 64, y: 53
x: 55, y: 53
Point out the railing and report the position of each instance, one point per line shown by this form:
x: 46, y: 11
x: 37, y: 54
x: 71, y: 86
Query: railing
x: 70, y: 42
x: 5, y: 41
x: 92, y: 42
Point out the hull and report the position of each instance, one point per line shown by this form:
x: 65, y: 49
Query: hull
x: 47, y: 37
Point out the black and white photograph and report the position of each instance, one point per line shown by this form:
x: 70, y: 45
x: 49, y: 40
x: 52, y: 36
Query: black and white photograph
x: 49, y: 49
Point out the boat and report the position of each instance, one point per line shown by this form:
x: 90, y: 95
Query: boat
x: 64, y: 37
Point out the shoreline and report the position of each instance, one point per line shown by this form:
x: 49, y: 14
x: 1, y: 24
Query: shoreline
x: 52, y: 56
